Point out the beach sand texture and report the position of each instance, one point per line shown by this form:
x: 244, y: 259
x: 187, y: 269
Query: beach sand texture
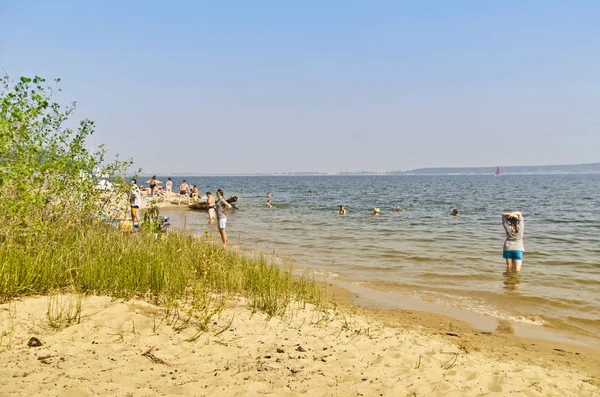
x: 126, y: 348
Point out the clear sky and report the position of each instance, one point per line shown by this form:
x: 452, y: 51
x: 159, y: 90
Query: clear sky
x: 280, y: 86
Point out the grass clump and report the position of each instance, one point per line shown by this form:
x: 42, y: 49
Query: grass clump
x: 94, y: 259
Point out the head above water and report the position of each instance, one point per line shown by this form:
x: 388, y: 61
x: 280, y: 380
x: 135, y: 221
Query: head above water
x: 455, y: 212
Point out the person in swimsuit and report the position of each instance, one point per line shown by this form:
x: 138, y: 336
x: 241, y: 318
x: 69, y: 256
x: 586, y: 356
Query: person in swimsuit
x: 169, y: 187
x: 342, y: 210
x: 376, y: 211
x: 513, y: 249
x: 269, y: 204
x: 212, y: 211
x: 454, y: 212
x: 152, y: 185
x: 183, y: 192
x: 222, y: 206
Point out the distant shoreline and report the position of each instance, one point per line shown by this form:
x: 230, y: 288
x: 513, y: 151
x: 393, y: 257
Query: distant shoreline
x: 588, y: 168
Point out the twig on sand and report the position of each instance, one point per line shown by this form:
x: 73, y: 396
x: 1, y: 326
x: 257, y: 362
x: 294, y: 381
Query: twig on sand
x: 419, y: 363
x: 454, y: 361
x: 153, y: 358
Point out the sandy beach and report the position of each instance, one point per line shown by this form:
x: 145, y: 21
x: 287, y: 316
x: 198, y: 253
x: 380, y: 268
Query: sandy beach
x: 132, y: 348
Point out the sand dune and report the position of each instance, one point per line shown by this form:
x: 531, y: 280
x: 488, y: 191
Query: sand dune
x: 129, y: 349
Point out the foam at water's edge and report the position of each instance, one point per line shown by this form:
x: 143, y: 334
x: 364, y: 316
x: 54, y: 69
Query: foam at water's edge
x: 526, y: 328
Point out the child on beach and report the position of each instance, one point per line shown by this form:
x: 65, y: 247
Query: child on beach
x: 169, y: 187
x: 513, y: 245
x: 134, y: 201
x: 212, y: 212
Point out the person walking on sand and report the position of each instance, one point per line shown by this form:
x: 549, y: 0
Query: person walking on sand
x: 169, y: 187
x: 212, y: 212
x: 513, y: 249
x: 184, y: 192
x: 222, y: 206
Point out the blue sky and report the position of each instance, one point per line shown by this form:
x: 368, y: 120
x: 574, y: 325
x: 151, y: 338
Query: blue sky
x: 257, y: 86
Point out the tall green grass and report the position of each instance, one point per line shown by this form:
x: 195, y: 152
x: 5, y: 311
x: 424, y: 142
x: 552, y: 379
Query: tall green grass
x: 96, y: 259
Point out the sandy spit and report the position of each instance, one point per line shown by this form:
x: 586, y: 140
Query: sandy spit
x: 129, y: 348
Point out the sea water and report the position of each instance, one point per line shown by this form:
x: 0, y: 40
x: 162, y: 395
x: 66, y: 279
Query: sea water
x: 425, y: 252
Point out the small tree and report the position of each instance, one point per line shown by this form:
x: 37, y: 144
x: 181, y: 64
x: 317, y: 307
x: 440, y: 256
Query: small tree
x: 47, y: 174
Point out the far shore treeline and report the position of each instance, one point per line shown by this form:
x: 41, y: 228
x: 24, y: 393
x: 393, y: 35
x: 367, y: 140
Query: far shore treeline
x: 56, y: 235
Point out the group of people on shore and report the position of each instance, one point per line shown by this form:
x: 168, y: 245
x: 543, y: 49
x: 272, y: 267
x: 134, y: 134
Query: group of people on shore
x: 217, y: 207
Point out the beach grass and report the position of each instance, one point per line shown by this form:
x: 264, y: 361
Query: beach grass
x: 193, y: 275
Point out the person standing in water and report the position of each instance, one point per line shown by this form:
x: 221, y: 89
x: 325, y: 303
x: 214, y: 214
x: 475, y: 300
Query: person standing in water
x: 342, y: 210
x: 222, y: 206
x: 212, y: 212
x: 183, y: 192
x: 513, y: 245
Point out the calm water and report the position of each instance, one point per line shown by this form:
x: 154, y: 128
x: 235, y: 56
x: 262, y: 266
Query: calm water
x: 424, y: 252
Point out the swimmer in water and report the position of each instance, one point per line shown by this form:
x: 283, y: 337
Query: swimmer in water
x: 342, y: 210
x: 454, y: 212
x: 376, y: 211
x: 398, y: 209
x: 269, y: 204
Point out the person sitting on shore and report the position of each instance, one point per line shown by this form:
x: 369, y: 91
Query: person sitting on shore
x: 376, y: 211
x: 269, y: 204
x: 183, y: 192
x: 342, y: 210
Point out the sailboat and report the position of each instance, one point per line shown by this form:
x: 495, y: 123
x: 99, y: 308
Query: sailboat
x: 497, y: 171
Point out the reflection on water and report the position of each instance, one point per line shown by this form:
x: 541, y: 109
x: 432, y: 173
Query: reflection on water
x: 512, y: 279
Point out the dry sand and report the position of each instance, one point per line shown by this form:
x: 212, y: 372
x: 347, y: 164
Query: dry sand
x: 128, y: 349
